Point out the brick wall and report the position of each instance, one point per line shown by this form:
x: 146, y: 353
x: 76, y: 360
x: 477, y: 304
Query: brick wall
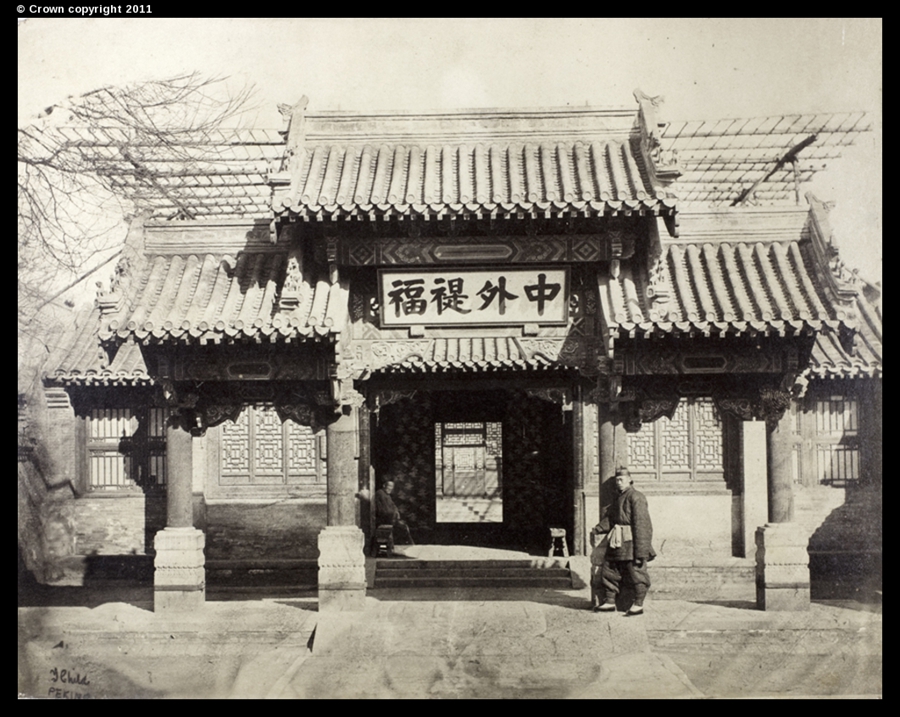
x: 117, y: 524
x: 242, y: 531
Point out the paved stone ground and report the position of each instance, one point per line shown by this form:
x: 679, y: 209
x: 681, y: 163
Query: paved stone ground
x: 429, y: 644
x: 433, y: 643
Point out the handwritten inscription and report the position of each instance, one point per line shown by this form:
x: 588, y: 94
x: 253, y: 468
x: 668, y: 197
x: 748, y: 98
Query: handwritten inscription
x: 64, y: 677
x: 68, y: 676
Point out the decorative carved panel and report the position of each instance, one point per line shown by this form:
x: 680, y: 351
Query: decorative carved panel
x: 689, y: 446
x: 482, y: 250
x: 675, y: 436
x: 215, y: 414
x: 652, y: 409
x: 235, y: 450
x: 301, y: 450
x: 559, y: 396
x: 261, y: 365
x: 722, y: 360
x: 260, y: 449
x: 642, y: 450
x: 385, y: 353
x: 300, y: 413
x: 772, y: 404
x: 548, y: 348
x: 385, y: 398
x: 708, y: 435
x: 741, y: 408
x: 268, y: 446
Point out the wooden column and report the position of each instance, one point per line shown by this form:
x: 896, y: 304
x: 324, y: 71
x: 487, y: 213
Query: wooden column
x: 342, y: 476
x: 342, y: 564
x: 782, y: 560
x: 781, y: 492
x: 364, y: 468
x: 578, y: 472
x: 606, y: 439
x: 179, y: 472
x: 613, y: 450
x: 179, y: 577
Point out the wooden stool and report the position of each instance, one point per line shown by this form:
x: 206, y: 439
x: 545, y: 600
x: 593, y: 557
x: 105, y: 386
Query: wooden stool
x: 384, y: 539
x: 558, y: 535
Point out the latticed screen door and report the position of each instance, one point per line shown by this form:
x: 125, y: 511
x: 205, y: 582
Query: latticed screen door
x: 686, y: 448
x: 258, y: 449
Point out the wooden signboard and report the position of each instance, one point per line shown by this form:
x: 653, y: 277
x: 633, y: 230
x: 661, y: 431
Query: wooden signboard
x: 472, y: 297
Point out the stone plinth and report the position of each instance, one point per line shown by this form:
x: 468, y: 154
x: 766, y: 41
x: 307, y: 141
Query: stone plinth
x: 342, y: 569
x: 782, y: 567
x: 179, y: 575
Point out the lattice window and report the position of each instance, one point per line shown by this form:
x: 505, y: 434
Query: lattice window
x: 707, y: 435
x: 642, y: 450
x: 837, y: 441
x: 686, y: 447
x: 258, y: 449
x: 836, y: 416
x: 675, y: 440
x: 126, y: 449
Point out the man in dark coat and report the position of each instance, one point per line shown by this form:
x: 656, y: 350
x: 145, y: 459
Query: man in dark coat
x: 630, y: 533
x: 386, y: 512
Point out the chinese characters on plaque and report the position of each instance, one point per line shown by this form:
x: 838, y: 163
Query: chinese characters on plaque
x: 484, y: 296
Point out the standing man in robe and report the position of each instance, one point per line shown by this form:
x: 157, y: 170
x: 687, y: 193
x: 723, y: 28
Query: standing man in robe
x: 630, y: 533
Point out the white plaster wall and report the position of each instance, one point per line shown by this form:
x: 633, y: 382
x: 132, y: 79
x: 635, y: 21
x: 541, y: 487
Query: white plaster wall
x: 687, y: 527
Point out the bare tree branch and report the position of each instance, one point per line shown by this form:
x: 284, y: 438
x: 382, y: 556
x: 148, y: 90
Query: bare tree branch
x: 89, y: 162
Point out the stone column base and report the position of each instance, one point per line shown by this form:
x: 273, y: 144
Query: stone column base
x: 179, y: 576
x: 342, y: 569
x: 782, y: 567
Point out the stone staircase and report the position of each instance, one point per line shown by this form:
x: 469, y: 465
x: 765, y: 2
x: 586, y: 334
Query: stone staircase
x: 534, y: 572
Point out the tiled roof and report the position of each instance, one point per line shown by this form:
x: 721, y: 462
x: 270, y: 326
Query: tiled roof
x: 221, y: 298
x: 220, y: 173
x: 831, y: 359
x: 721, y: 287
x: 470, y: 355
x: 487, y: 178
x: 82, y: 359
x: 722, y: 158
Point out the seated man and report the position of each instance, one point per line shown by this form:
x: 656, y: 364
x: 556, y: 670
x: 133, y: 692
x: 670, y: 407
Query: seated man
x: 386, y: 512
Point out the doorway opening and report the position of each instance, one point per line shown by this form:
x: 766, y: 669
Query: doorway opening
x: 488, y: 468
x: 468, y: 472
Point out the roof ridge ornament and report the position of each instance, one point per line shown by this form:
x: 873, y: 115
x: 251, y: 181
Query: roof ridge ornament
x: 843, y: 281
x: 661, y: 164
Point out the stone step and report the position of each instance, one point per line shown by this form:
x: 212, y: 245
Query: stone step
x: 536, y: 563
x: 734, y: 582
x: 496, y: 581
x: 537, y: 572
x: 427, y: 573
